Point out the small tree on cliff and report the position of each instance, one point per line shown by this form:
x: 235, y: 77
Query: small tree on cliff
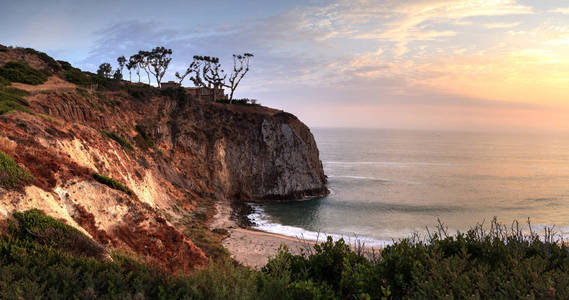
x: 134, y: 63
x: 129, y: 67
x: 117, y: 75
x: 158, y: 60
x: 240, y: 68
x: 105, y: 70
x: 205, y: 71
x: 143, y: 62
x: 121, y: 60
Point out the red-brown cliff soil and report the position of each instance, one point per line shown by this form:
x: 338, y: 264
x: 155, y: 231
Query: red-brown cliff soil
x: 176, y: 154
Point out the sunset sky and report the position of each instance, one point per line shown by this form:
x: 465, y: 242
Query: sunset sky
x: 442, y: 65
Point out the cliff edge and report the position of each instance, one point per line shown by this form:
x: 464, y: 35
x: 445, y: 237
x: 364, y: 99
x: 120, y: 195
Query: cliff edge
x: 140, y: 168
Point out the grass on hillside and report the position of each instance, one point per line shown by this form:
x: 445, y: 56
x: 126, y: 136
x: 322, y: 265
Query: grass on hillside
x: 12, y: 175
x: 119, y: 139
x: 11, y: 100
x: 4, y: 82
x: 16, y: 71
x: 113, y: 183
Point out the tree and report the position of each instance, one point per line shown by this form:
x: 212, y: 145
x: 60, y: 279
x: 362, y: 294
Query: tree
x: 134, y: 63
x: 159, y: 59
x: 206, y: 72
x: 129, y: 66
x: 121, y: 60
x: 143, y: 62
x: 117, y: 75
x: 105, y: 70
x: 240, y: 68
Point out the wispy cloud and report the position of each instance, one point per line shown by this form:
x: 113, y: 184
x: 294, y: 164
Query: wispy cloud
x: 562, y: 10
x: 444, y: 55
x: 502, y: 25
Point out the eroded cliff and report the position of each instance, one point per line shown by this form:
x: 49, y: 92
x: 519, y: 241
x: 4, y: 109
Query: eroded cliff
x: 176, y: 154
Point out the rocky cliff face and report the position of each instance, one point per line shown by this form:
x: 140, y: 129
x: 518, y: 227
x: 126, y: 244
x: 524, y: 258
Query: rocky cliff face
x: 176, y: 154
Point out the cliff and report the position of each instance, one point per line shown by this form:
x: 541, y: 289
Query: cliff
x: 139, y: 168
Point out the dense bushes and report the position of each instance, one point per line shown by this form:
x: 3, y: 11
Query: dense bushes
x: 500, y: 264
x: 12, y: 175
x: 4, y: 82
x: 32, y: 269
x: 48, y: 60
x: 112, y: 183
x: 16, y: 71
x: 34, y: 226
x: 77, y: 76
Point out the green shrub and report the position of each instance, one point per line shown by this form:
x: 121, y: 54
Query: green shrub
x: 3, y: 48
x: 65, y: 65
x: 119, y: 139
x: 77, y: 76
x: 12, y: 102
x: 12, y: 175
x: 502, y: 263
x: 51, y: 63
x: 141, y: 91
x: 112, y: 183
x: 4, y: 82
x: 16, y: 71
x: 143, y: 140
x: 178, y: 94
x: 34, y: 226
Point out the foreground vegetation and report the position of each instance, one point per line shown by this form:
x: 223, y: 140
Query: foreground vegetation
x: 42, y: 257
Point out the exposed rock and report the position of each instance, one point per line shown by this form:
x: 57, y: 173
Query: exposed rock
x: 173, y: 155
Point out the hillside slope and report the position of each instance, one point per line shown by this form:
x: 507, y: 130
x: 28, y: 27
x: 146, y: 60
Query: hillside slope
x: 140, y: 168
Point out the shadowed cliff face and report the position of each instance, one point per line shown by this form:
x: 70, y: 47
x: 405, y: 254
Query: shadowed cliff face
x: 250, y: 153
x: 176, y: 154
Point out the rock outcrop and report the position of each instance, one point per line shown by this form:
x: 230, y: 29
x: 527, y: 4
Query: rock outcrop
x: 176, y: 154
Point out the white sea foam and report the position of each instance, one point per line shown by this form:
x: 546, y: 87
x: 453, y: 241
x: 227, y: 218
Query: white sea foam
x: 263, y: 223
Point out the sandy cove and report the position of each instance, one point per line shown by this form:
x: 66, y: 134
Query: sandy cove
x: 253, y: 248
x: 249, y: 247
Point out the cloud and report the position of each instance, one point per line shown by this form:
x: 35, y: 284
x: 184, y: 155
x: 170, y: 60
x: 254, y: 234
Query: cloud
x: 563, y: 10
x: 429, y: 54
x: 502, y: 25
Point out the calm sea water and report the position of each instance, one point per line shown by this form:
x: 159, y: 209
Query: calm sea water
x: 387, y: 184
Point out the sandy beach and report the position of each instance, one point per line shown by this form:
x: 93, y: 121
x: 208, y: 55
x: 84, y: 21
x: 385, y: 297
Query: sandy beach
x: 249, y: 247
x: 253, y: 248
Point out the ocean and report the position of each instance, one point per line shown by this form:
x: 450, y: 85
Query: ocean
x: 388, y: 184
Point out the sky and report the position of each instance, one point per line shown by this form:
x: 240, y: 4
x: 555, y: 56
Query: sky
x: 459, y: 65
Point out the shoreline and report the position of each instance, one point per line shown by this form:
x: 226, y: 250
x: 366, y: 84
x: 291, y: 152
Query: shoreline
x: 252, y: 247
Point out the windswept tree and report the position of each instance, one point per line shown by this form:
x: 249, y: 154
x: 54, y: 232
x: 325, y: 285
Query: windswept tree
x: 143, y: 62
x: 205, y: 71
x: 158, y: 60
x: 240, y: 68
x: 121, y: 60
x: 129, y: 67
x: 105, y: 70
x: 134, y: 63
